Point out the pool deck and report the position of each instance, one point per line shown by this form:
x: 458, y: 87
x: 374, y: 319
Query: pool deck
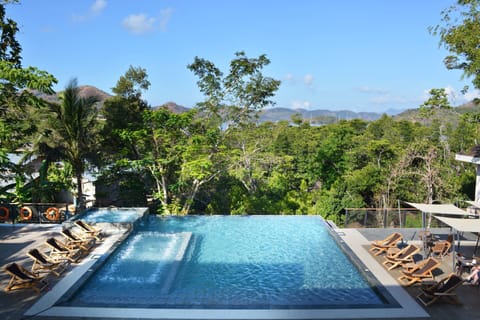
x: 16, y: 240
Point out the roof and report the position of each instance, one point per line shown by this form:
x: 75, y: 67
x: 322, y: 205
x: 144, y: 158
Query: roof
x: 463, y: 225
x: 473, y: 203
x: 448, y: 209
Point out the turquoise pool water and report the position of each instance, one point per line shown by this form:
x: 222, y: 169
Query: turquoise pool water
x: 112, y: 215
x: 229, y: 262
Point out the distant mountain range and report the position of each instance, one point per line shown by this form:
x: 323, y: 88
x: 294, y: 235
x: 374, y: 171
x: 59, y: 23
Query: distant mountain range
x: 315, y: 116
x: 320, y: 116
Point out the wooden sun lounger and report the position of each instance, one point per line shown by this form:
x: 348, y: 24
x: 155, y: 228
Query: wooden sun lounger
x: 419, y: 272
x: 21, y: 278
x: 75, y: 241
x: 89, y: 229
x: 441, y: 249
x: 402, y: 257
x: 442, y: 289
x: 60, y: 250
x: 381, y: 246
x: 41, y: 262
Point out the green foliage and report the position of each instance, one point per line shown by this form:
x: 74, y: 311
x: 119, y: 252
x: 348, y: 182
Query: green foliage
x: 123, y: 115
x: 237, y: 97
x: 73, y: 131
x: 459, y: 33
x: 61, y: 176
x: 16, y: 104
x: 438, y: 100
x: 130, y: 85
x: 122, y: 185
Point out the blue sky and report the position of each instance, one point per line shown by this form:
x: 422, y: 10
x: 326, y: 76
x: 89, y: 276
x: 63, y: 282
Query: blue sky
x: 361, y: 55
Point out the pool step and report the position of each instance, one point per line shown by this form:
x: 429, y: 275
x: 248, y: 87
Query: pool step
x: 170, y: 278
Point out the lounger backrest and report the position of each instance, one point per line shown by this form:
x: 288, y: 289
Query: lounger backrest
x: 15, y: 270
x: 442, y: 247
x: 395, y: 238
x: 53, y: 242
x: 70, y: 235
x: 34, y: 253
x: 429, y: 265
x: 450, y: 239
x: 452, y: 282
x: 408, y: 251
x: 447, y: 246
x: 83, y: 225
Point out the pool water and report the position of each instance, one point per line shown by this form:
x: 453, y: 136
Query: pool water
x: 247, y: 262
x: 112, y: 215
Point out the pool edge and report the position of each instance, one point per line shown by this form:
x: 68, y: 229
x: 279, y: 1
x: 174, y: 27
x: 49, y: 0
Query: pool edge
x: 45, y: 307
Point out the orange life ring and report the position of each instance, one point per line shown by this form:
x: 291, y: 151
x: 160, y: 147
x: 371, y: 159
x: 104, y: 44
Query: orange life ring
x: 52, y: 214
x: 5, y: 215
x: 26, y: 213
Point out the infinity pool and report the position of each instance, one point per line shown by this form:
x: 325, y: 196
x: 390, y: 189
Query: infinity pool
x: 229, y: 262
x: 112, y: 215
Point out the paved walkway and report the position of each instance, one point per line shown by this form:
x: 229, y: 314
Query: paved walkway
x: 16, y: 240
x: 468, y: 295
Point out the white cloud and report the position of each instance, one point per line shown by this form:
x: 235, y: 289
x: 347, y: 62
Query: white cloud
x: 367, y: 89
x: 289, y: 78
x: 165, y: 16
x: 387, y: 98
x: 142, y: 23
x: 138, y: 23
x: 98, y: 6
x: 470, y: 95
x: 450, y: 91
x: 455, y: 97
x: 95, y: 9
x: 301, y: 104
x: 308, y: 80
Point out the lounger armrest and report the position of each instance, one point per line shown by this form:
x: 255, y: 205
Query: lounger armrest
x: 445, y: 294
x: 31, y: 273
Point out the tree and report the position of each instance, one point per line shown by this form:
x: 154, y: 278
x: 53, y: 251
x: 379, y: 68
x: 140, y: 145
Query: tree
x: 74, y: 128
x: 16, y: 82
x: 180, y: 156
x: 131, y: 85
x: 238, y: 97
x: 438, y: 100
x: 332, y: 154
x: 123, y: 115
x: 233, y: 101
x: 16, y: 96
x: 459, y: 33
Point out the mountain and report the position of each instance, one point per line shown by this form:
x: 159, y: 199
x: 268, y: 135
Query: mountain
x: 84, y: 91
x: 450, y: 116
x: 320, y: 116
x: 173, y: 107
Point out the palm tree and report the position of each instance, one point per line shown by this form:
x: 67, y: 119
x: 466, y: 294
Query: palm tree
x: 74, y: 127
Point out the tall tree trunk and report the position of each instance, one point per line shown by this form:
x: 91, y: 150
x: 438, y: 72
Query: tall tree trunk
x: 80, y: 202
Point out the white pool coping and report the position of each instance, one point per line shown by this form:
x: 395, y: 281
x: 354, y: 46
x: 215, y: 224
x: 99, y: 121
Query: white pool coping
x: 408, y: 308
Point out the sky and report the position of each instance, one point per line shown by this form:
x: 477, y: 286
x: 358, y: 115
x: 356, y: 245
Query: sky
x: 359, y: 55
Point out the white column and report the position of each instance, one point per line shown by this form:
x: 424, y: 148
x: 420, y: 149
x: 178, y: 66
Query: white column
x: 477, y: 185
